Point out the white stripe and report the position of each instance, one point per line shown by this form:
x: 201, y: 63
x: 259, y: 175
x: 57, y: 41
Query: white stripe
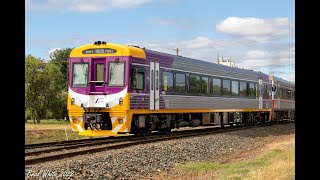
x: 117, y: 128
x: 113, y: 119
x: 79, y: 127
x: 126, y: 130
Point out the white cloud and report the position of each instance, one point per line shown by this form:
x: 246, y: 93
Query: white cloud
x: 260, y: 58
x: 257, y: 54
x: 81, y: 5
x: 51, y: 51
x: 257, y: 29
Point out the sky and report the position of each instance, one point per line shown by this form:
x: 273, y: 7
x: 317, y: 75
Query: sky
x: 256, y: 34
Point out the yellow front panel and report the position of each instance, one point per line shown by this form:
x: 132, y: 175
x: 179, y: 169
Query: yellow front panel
x: 122, y: 50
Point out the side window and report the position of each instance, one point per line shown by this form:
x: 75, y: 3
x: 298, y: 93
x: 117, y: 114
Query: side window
x: 235, y: 88
x: 226, y: 89
x: 116, y: 74
x: 167, y: 81
x: 216, y: 86
x: 137, y: 78
x: 80, y: 75
x: 251, y: 89
x: 205, y: 88
x: 194, y: 84
x: 180, y: 83
x: 243, y: 89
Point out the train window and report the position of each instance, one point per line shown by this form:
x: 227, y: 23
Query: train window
x: 194, y: 84
x: 180, y: 83
x: 265, y: 90
x: 226, y: 89
x: 205, y: 88
x: 137, y: 78
x: 80, y: 75
x: 251, y: 90
x: 167, y: 81
x: 116, y: 74
x: 243, y: 89
x: 99, y: 74
x: 216, y: 86
x: 235, y: 88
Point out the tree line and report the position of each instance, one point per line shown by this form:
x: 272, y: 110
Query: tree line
x: 46, y: 86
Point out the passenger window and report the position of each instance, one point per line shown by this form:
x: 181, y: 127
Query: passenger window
x: 180, y: 83
x: 243, y: 89
x: 226, y: 87
x: 252, y: 91
x: 205, y: 88
x: 167, y: 81
x: 235, y: 88
x: 194, y: 84
x: 137, y: 78
x: 216, y: 86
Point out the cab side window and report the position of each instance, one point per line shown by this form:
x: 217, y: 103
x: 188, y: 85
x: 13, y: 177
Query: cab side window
x: 137, y: 78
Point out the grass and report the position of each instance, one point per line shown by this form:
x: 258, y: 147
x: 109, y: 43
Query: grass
x: 275, y: 164
x: 47, y: 124
x: 42, y: 136
x: 49, y: 131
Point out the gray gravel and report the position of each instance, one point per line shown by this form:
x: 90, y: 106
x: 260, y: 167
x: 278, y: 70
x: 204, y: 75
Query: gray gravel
x: 142, y: 161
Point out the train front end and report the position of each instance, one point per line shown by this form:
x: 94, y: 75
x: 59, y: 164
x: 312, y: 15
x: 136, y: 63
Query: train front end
x: 98, y: 98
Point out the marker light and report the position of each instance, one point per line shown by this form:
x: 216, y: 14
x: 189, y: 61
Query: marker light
x: 120, y: 101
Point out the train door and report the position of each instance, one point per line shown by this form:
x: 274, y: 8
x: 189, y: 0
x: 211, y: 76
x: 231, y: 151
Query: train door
x: 98, y: 76
x: 154, y: 86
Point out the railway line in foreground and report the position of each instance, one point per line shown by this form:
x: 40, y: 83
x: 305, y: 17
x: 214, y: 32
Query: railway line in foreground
x: 44, y: 152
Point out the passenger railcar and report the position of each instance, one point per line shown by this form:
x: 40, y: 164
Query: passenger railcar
x: 116, y: 89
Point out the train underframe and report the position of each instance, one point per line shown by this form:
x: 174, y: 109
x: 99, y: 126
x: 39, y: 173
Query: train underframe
x: 143, y: 124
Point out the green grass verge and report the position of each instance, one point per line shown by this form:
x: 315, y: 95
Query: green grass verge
x: 274, y: 164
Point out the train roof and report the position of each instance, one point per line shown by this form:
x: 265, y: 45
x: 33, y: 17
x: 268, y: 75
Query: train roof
x: 190, y: 63
x: 284, y: 82
x: 112, y: 49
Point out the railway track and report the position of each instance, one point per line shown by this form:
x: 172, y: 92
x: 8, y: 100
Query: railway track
x: 102, y: 144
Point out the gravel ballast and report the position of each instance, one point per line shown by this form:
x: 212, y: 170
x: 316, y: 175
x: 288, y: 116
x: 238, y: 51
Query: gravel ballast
x: 138, y: 162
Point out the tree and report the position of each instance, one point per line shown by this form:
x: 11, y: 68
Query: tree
x: 61, y: 58
x: 43, y: 85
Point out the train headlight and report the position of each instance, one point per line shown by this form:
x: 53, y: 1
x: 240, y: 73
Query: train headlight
x: 120, y: 101
x: 72, y: 101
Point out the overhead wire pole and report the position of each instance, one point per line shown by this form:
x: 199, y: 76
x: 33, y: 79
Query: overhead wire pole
x: 177, y: 50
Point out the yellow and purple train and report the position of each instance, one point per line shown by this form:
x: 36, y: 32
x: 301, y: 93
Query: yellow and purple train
x: 115, y: 89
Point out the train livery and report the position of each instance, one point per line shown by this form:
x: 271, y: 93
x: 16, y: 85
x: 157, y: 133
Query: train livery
x: 119, y: 89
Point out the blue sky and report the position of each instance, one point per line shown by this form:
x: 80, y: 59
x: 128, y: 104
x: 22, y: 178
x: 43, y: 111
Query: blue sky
x: 256, y: 34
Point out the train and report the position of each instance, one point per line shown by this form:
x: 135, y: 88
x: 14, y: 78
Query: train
x: 118, y: 89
